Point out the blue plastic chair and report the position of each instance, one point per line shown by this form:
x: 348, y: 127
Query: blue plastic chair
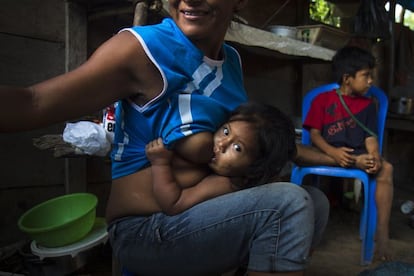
x: 125, y: 272
x: 368, y: 220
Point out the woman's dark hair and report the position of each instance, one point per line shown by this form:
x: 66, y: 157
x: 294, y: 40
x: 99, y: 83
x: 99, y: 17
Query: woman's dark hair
x: 275, y: 136
x: 350, y: 60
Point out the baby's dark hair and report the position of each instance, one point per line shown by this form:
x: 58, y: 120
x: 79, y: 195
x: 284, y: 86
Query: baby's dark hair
x: 350, y: 60
x: 275, y: 136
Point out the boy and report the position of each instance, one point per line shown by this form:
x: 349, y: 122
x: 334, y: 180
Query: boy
x: 336, y: 133
x: 250, y: 149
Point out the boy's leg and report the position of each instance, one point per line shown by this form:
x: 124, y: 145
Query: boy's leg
x: 383, y: 198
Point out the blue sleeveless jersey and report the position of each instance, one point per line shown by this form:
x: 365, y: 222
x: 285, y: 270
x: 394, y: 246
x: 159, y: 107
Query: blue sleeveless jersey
x: 198, y: 95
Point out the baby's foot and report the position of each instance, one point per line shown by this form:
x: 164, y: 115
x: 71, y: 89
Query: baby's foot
x: 383, y: 250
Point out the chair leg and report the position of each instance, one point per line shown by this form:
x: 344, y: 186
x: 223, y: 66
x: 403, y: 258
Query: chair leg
x: 127, y: 273
x: 357, y: 189
x: 368, y: 243
x: 364, y: 216
x: 296, y: 176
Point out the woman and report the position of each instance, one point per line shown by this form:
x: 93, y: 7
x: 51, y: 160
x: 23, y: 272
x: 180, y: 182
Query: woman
x: 271, y: 226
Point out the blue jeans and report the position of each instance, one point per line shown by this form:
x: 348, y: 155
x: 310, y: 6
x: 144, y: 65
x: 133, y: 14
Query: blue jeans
x: 267, y: 228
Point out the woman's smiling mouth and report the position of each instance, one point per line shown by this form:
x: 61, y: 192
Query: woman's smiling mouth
x: 194, y: 13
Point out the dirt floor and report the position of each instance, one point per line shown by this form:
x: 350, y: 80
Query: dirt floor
x: 339, y: 252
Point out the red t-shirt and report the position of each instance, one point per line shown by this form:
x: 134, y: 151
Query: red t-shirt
x: 335, y: 124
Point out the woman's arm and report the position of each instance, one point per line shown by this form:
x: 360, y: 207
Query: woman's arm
x: 118, y: 69
x: 311, y: 156
x: 343, y: 155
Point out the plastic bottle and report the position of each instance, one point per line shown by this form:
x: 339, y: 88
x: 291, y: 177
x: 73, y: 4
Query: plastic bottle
x: 407, y: 207
x: 108, y: 121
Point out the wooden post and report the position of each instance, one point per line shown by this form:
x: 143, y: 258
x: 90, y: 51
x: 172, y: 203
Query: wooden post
x: 391, y: 79
x: 141, y: 8
x: 140, y: 12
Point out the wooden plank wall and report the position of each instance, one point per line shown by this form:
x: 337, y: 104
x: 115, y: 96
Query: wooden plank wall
x: 32, y: 39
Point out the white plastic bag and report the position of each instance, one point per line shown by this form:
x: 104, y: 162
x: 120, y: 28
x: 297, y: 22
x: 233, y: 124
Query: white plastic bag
x: 88, y: 136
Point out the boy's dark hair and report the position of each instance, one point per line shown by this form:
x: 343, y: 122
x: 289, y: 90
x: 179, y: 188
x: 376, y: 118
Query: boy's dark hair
x: 275, y: 136
x: 349, y: 60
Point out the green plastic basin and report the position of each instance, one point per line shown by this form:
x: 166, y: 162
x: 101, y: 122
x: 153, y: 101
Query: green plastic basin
x: 60, y: 221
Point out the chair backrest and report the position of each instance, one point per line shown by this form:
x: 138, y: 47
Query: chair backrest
x: 374, y: 91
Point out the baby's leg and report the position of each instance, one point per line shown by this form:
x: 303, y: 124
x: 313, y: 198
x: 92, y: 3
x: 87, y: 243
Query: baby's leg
x: 383, y: 197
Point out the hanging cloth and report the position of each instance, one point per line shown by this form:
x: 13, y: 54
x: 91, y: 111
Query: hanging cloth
x: 372, y: 20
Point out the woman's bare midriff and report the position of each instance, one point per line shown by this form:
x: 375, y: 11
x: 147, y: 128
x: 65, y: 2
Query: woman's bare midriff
x: 132, y: 194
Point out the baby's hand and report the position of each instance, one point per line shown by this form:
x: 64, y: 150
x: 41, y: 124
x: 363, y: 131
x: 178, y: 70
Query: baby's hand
x: 157, y: 154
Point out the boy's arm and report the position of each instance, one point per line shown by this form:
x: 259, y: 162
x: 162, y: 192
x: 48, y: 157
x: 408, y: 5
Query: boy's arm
x: 343, y: 155
x: 372, y: 146
x: 169, y: 195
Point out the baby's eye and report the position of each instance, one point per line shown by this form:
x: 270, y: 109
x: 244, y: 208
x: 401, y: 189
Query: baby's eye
x: 226, y: 130
x: 237, y: 147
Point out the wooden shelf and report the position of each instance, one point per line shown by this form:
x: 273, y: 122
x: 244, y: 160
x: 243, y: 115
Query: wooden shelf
x: 253, y: 37
x: 400, y: 122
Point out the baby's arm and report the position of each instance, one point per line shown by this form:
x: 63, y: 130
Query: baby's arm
x: 343, y: 155
x: 166, y: 189
x: 169, y: 195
